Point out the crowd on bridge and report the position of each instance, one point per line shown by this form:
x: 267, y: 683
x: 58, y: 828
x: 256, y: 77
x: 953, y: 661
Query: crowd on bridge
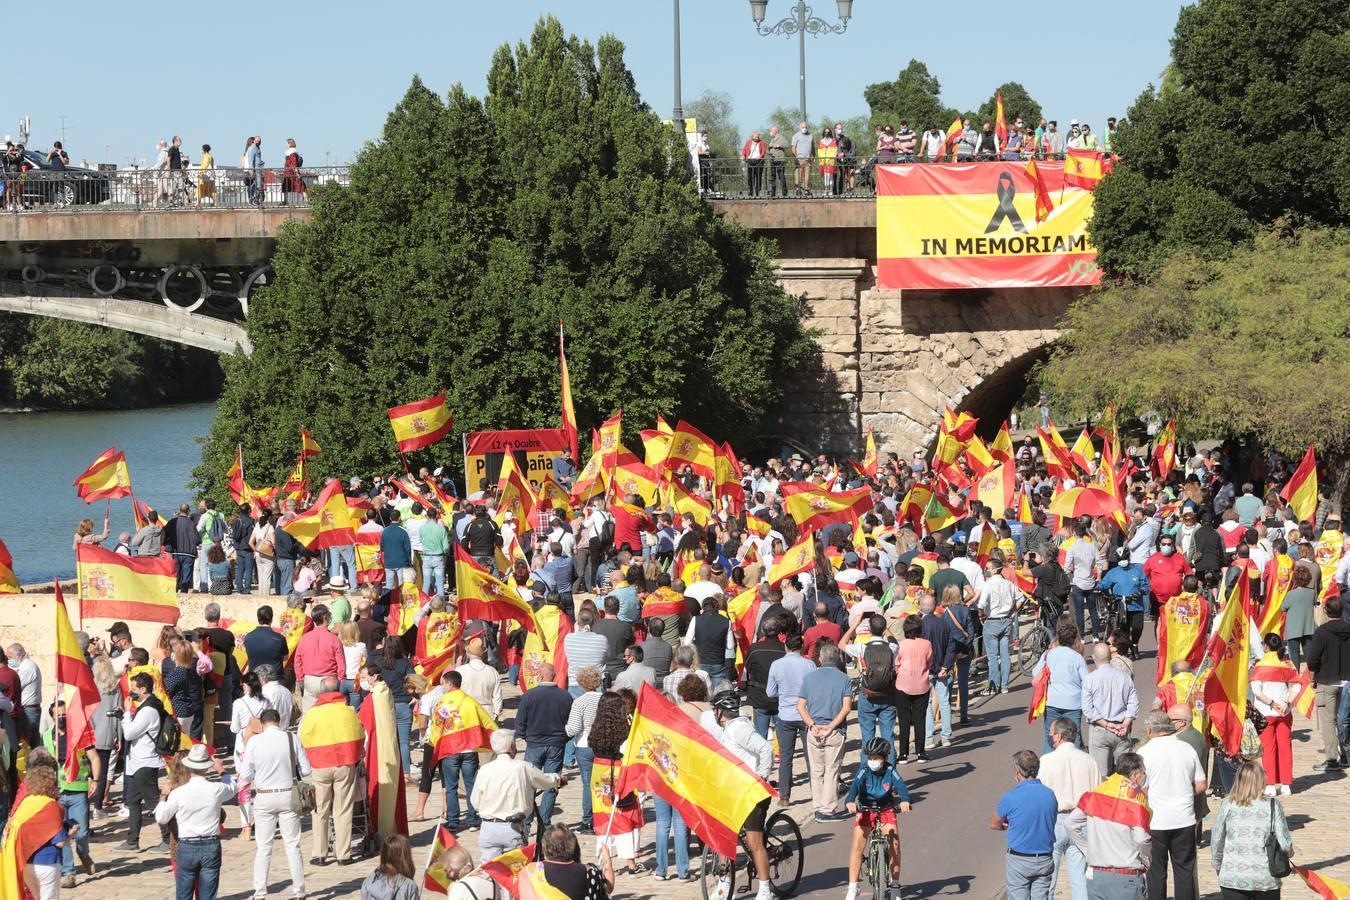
x: 771, y: 610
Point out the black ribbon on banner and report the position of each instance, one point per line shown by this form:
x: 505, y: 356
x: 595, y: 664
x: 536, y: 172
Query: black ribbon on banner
x: 1006, y: 190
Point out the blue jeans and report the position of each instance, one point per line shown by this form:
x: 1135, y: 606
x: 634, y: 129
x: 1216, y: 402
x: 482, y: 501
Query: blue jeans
x: 203, y: 569
x: 452, y: 768
x: 198, y: 868
x: 763, y: 722
x: 347, y: 688
x: 1054, y: 712
x: 433, y: 573
x: 549, y: 760
x: 243, y: 571
x: 403, y: 716
x: 717, y: 675
x: 285, y: 574
x: 1071, y: 858
x: 996, y: 645
x: 570, y: 751
x: 585, y: 761
x: 338, y: 557
x: 1079, y: 597
x: 874, y: 713
x: 183, y: 562
x: 75, y: 806
x: 667, y: 817
x: 1343, y: 721
x: 942, y: 699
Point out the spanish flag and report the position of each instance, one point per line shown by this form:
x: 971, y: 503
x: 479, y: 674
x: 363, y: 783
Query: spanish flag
x: 481, y: 596
x: 437, y: 644
x: 369, y: 561
x: 105, y: 479
x: 960, y: 426
x: 727, y: 482
x: 458, y: 725
x: 544, y: 645
x: 534, y: 885
x: 514, y: 494
x: 505, y: 869
x: 33, y: 822
x: 1058, y: 462
x: 1165, y: 451
x: 1044, y: 205
x: 978, y: 457
x: 1278, y: 578
x: 113, y: 586
x: 757, y: 526
x: 870, y: 459
x: 308, y: 446
x: 670, y: 755
x: 632, y: 476
x: 296, y: 482
x: 142, y: 510
x: 437, y: 879
x: 954, y: 134
x: 795, y: 560
x: 1226, y: 686
x: 552, y: 495
x: 569, y: 412
x: 82, y: 695
x: 1300, y: 492
x: 691, y: 447
x: 656, y: 443
x: 1183, y: 623
x: 1271, y: 668
x: 590, y: 483
x: 9, y: 582
x: 1119, y: 800
x: 610, y: 440
x: 995, y: 490
x: 328, y: 523
x: 292, y: 624
x: 664, y: 602
x: 331, y: 733
x: 1082, y: 452
x: 615, y: 813
x: 384, y: 766
x: 234, y: 479
x: 743, y: 611
x: 914, y: 504
x: 420, y: 424
x: 1040, y: 689
x: 813, y: 508
x: 1000, y: 124
x: 1083, y: 168
x: 1324, y: 886
x: 1024, y: 508
x: 684, y: 502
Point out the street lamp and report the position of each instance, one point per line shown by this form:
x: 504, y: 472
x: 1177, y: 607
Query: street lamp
x: 801, y: 23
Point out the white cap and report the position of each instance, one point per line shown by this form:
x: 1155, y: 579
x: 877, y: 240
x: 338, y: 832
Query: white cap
x: 439, y: 470
x: 1073, y: 121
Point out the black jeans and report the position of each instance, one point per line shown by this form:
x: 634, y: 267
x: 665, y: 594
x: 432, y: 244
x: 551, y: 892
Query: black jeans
x: 1179, y: 845
x: 777, y: 177
x: 142, y: 787
x: 1297, y: 651
x: 101, y: 791
x: 911, y: 710
x: 1235, y: 894
x: 789, y: 734
x: 754, y: 170
x: 1136, y: 623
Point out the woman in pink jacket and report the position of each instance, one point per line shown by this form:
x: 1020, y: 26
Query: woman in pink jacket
x: 913, y: 661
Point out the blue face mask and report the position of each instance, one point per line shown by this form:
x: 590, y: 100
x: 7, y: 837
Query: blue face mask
x: 1168, y: 551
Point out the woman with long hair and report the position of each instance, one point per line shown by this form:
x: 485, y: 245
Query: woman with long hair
x: 394, y: 672
x: 1247, y: 819
x: 608, y: 734
x: 184, y: 687
x: 84, y: 533
x: 244, y: 724
x: 106, y: 727
x: 393, y: 879
x: 262, y: 540
x: 42, y: 868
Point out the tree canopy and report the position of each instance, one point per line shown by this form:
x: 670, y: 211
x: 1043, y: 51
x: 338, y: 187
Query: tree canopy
x: 1252, y: 123
x: 1254, y: 344
x: 467, y: 231
x: 913, y: 97
x: 713, y: 110
x: 1016, y: 102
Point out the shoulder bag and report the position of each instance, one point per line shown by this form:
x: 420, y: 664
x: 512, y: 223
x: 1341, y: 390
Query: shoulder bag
x: 303, y: 801
x: 1277, y: 859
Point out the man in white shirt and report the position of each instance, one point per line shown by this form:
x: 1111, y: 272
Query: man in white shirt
x: 503, y: 794
x: 195, y: 807
x: 968, y: 567
x: 481, y: 681
x: 30, y: 684
x: 275, y: 693
x: 1070, y: 773
x: 1174, y: 778
x: 270, y: 766
x: 998, y: 598
x: 142, y: 763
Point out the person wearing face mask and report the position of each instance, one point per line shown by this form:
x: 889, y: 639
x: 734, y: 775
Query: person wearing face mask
x: 1128, y: 581
x: 143, y: 762
x: 803, y: 148
x: 1165, y: 571
x: 737, y: 735
x: 1110, y: 827
x: 933, y: 143
x: 875, y: 794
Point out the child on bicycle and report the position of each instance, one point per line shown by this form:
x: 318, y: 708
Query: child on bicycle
x: 880, y: 788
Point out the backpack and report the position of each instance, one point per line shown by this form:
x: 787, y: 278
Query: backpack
x: 216, y: 530
x: 878, y: 668
x: 607, y: 532
x: 168, y: 738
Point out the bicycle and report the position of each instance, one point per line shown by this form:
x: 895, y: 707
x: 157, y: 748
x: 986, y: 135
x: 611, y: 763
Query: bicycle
x: 782, y: 841
x: 876, y: 871
x: 1028, y: 647
x: 1110, y: 611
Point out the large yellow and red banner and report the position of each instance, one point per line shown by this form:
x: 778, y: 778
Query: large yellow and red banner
x: 973, y: 225
x: 534, y: 450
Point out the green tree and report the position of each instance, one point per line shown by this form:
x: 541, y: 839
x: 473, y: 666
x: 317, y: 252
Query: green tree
x: 1016, y: 102
x: 1252, y: 123
x: 913, y: 97
x: 559, y: 196
x: 1252, y: 345
x: 713, y: 111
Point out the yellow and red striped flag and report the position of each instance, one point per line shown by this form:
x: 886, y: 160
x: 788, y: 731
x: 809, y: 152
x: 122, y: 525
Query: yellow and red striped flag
x: 1000, y: 124
x: 1165, y: 451
x: 113, y: 586
x: 610, y: 440
x: 757, y: 526
x: 437, y: 879
x: 420, y: 423
x: 870, y: 460
x: 142, y: 510
x: 1300, y: 491
x: 1044, y: 205
x: 81, y: 695
x: 1083, y: 453
x: 978, y: 457
x: 328, y: 523
x: 386, y: 808
x: 656, y: 443
x: 670, y: 755
x: 1083, y: 168
x: 1055, y: 452
x: 437, y: 643
x: 995, y: 490
x: 1119, y: 800
x: 308, y: 446
x: 569, y: 412
x: 459, y: 724
x: 691, y: 447
x: 1002, y: 447
x: 684, y: 502
x: 1226, y: 686
x: 743, y: 611
x: 960, y: 426
x: 1271, y: 668
x: 1040, y: 689
x: 514, y: 494
x: 35, y: 820
x: 813, y: 508
x: 1183, y: 623
x: 1024, y: 508
x: 534, y: 885
x: 331, y: 733
x: 105, y: 479
x: 727, y: 482
x: 954, y: 135
x: 1324, y: 886
x: 795, y: 560
x: 482, y: 596
x: 630, y: 475
x: 590, y: 483
x: 505, y: 869
x: 9, y: 582
x: 553, y: 494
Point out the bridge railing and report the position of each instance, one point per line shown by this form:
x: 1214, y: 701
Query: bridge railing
x: 222, y: 187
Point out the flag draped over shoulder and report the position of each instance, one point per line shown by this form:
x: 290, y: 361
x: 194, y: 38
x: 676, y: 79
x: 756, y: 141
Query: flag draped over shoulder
x: 106, y: 478
x: 113, y: 586
x: 331, y: 733
x: 1226, y: 685
x: 384, y: 765
x: 437, y: 643
x: 1183, y: 624
x: 1271, y: 668
x: 672, y: 756
x: 1119, y: 800
x: 1300, y: 492
x: 544, y: 646
x: 1040, y: 689
x: 421, y: 423
x: 9, y: 582
x: 328, y: 523
x: 34, y: 821
x: 459, y: 724
x: 614, y: 813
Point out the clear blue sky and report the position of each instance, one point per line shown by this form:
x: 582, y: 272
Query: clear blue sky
x: 327, y: 74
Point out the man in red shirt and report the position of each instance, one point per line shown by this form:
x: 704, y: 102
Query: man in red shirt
x: 318, y: 655
x: 824, y: 628
x: 1164, y: 571
x: 630, y: 520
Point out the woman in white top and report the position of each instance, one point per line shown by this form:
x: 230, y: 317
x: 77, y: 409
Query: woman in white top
x: 354, y: 656
x: 264, y: 552
x: 244, y: 724
x: 1272, y: 680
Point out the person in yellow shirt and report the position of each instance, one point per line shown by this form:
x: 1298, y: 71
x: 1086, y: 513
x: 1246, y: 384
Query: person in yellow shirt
x: 206, y: 177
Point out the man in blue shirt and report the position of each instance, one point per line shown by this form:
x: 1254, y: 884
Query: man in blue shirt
x: 396, y: 552
x: 1027, y: 813
x: 785, y: 683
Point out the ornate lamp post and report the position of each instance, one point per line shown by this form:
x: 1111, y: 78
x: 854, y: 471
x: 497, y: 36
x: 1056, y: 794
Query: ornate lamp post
x: 801, y: 23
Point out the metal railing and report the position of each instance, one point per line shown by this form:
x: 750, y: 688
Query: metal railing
x: 221, y: 187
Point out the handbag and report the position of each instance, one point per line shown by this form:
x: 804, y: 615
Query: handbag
x: 1276, y: 858
x: 303, y: 801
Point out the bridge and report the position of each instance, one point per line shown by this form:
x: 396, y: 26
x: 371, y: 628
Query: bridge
x: 887, y: 359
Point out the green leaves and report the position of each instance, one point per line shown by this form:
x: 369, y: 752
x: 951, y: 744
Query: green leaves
x: 468, y: 230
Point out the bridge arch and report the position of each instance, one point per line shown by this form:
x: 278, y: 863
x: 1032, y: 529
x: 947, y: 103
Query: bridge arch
x: 136, y: 316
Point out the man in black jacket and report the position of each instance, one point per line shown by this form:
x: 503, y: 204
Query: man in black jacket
x: 288, y: 552
x: 758, y: 658
x: 1329, y: 662
x: 181, y: 540
x: 481, y: 538
x: 1207, y: 553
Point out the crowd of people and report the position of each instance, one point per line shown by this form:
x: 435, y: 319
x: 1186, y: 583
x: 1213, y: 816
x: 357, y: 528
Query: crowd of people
x: 834, y: 163
x: 887, y: 632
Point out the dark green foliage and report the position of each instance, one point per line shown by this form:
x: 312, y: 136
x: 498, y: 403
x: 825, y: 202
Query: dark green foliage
x: 1017, y: 102
x: 1252, y: 123
x: 913, y: 96
x: 713, y: 111
x: 469, y: 229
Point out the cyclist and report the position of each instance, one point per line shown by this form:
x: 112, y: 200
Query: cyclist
x: 740, y: 737
x: 1127, y: 581
x: 876, y: 784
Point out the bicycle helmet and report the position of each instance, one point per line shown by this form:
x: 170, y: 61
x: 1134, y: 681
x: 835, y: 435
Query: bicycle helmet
x: 877, y: 746
x: 727, y: 702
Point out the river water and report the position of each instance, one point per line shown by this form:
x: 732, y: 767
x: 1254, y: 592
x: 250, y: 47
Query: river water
x: 41, y: 453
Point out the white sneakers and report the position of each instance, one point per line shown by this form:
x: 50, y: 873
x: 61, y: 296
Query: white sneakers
x: 723, y: 889
x: 852, y: 891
